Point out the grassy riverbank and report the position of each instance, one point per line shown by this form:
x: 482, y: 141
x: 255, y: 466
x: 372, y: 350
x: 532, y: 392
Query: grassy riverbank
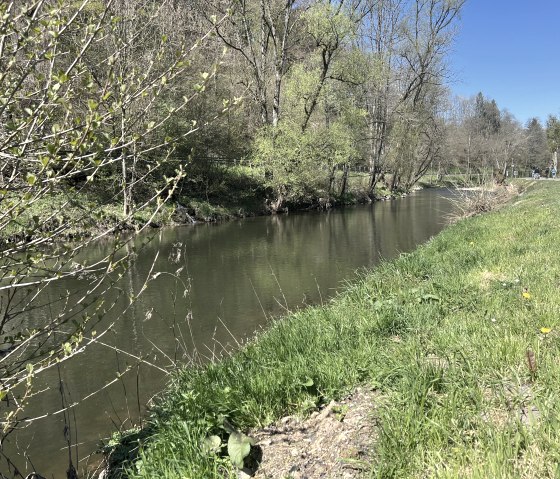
x: 460, y: 338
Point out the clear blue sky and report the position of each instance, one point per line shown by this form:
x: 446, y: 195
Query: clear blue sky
x: 510, y: 51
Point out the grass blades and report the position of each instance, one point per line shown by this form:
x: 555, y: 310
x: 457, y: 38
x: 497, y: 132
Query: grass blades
x: 443, y: 333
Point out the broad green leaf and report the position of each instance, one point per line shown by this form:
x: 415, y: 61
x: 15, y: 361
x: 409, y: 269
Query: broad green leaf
x: 239, y: 446
x: 211, y: 445
x: 31, y: 179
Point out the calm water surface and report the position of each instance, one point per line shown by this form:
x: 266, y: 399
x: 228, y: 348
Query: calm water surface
x: 227, y: 281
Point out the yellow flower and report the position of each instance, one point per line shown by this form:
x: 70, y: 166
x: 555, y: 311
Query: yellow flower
x: 545, y: 330
x: 526, y: 295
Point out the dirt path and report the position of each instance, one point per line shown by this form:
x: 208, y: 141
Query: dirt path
x: 333, y: 443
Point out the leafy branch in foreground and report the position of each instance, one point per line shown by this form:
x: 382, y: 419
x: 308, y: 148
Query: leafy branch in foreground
x: 81, y: 92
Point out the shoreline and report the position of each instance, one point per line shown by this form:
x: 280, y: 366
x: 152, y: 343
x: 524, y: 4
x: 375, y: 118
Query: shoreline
x: 78, y: 225
x: 425, y: 332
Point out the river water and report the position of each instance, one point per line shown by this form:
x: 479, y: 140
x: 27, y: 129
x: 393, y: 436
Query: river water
x: 215, y: 285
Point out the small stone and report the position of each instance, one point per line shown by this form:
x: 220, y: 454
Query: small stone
x: 286, y: 420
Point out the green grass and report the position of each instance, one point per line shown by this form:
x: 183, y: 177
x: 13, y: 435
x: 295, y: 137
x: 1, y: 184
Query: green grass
x: 443, y: 335
x: 75, y: 214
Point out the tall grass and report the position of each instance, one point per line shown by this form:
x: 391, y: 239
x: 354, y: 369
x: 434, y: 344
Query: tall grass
x: 443, y: 334
x: 488, y: 197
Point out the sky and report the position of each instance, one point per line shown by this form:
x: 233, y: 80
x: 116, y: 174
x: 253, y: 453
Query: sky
x: 510, y: 51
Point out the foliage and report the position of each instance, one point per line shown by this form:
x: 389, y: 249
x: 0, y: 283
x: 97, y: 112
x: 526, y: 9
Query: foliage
x: 538, y: 153
x: 80, y: 129
x: 296, y: 165
x: 553, y: 133
x: 481, y: 139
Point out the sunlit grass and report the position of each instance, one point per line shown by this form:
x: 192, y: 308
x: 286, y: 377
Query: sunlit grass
x: 445, y: 334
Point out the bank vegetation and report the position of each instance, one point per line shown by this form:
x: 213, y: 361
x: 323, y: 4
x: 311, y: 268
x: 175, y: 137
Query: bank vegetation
x: 458, y: 339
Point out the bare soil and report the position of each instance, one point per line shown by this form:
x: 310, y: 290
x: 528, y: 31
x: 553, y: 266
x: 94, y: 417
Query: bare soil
x: 335, y: 442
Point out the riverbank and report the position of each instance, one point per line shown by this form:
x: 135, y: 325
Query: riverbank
x: 224, y: 193
x: 75, y: 212
x: 458, y: 340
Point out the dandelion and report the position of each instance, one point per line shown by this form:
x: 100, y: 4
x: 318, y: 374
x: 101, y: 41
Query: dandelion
x: 546, y: 330
x: 526, y: 294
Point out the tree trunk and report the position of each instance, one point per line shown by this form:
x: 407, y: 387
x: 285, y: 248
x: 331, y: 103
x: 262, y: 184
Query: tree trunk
x: 125, y: 190
x: 278, y: 203
x: 394, y: 182
x: 331, y: 180
x: 344, y: 183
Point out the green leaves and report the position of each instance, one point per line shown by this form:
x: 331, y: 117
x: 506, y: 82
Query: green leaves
x: 238, y: 444
x: 61, y: 78
x: 308, y: 382
x: 31, y: 179
x: 212, y: 445
x: 239, y: 447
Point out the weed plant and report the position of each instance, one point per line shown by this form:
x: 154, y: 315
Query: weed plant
x: 444, y: 334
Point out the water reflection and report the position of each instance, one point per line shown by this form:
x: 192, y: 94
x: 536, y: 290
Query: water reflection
x: 236, y: 275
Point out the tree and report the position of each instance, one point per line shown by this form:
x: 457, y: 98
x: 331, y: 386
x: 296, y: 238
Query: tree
x: 420, y: 73
x: 508, y: 145
x: 553, y: 137
x: 330, y: 26
x: 73, y: 108
x: 262, y: 35
x: 380, y: 37
x: 538, y: 155
x: 487, y: 116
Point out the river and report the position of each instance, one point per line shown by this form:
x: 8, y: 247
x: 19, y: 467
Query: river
x: 215, y: 285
